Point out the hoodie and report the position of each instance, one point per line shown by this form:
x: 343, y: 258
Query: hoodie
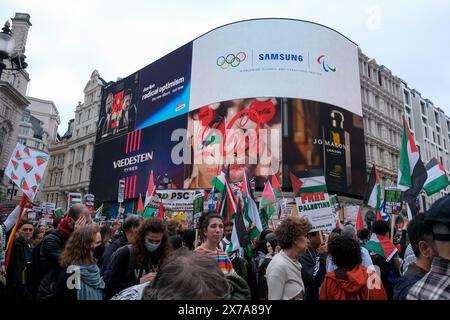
x: 344, y: 284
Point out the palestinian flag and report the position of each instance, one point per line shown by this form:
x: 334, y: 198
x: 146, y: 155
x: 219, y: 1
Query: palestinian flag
x: 296, y: 183
x: 372, y: 196
x: 437, y: 177
x: 140, y: 207
x: 266, y: 205
x: 411, y: 171
x: 228, y: 205
x: 239, y: 235
x: 381, y: 245
x: 151, y: 190
x: 276, y: 186
x: 219, y: 181
x: 251, y: 214
x: 359, y: 220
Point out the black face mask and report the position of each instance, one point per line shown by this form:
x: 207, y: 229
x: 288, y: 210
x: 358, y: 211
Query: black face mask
x: 98, y: 252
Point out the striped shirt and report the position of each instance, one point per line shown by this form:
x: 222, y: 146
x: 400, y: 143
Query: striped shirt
x: 435, y: 285
x: 221, y: 258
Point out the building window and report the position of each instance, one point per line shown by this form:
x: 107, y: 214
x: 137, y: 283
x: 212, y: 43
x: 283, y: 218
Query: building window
x: 368, y: 71
x: 422, y: 108
x: 23, y: 131
x: 426, y: 132
x: 379, y: 79
x: 406, y: 95
x: 434, y: 137
x: 436, y: 117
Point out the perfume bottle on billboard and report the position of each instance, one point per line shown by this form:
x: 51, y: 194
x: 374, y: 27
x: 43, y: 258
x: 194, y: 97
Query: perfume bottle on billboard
x: 336, y: 149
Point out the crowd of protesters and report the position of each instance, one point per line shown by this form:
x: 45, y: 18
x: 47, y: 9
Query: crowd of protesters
x: 152, y: 259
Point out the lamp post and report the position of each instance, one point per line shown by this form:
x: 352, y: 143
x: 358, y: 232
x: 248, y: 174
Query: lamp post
x: 7, y: 45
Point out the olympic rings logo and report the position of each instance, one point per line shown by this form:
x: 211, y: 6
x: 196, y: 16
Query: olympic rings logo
x: 231, y: 59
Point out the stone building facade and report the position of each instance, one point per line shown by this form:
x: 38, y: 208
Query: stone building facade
x: 69, y: 169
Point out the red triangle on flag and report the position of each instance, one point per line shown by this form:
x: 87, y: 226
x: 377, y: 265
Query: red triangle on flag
x: 34, y: 188
x: 296, y: 183
x: 40, y: 161
x: 15, y: 163
x: 27, y: 167
x: 161, y: 210
x: 359, y: 220
x: 379, y: 217
x: 18, y: 155
x: 275, y: 183
x: 27, y: 151
x: 38, y: 178
x: 14, y: 177
x: 25, y: 185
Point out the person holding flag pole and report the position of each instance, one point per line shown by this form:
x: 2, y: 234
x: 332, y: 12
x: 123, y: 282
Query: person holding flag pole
x: 26, y: 168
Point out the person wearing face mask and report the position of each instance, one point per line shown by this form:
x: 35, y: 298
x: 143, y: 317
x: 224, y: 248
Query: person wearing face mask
x: 138, y: 262
x: 16, y: 279
x: 80, y: 278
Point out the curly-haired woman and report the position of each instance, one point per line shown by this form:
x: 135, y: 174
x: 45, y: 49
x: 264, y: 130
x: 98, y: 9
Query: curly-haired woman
x: 284, y: 273
x: 80, y: 279
x: 351, y: 280
x: 140, y: 261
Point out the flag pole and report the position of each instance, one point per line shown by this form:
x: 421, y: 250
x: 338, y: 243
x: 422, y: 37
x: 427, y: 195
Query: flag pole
x: 392, y: 226
x: 10, y: 244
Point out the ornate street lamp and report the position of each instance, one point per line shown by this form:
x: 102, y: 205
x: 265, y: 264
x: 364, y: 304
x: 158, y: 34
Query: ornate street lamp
x: 7, y: 45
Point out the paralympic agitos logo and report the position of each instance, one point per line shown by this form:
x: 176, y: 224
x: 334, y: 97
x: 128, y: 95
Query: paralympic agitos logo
x: 231, y: 60
x: 326, y: 67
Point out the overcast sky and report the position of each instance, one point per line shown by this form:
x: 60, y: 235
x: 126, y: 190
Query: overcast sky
x: 69, y: 39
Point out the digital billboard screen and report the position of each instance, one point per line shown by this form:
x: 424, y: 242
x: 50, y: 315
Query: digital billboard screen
x: 118, y: 108
x: 270, y: 95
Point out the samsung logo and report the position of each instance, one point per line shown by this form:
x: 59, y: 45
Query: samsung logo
x: 281, y: 57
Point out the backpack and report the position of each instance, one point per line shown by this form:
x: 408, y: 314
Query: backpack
x: 112, y: 261
x: 46, y: 289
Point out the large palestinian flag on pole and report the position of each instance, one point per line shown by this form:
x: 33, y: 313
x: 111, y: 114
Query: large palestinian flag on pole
x: 437, y: 177
x: 26, y: 168
x: 372, y: 196
x: 411, y: 171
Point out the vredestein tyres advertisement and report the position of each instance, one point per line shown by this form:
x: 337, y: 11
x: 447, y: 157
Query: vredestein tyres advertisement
x: 132, y: 157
